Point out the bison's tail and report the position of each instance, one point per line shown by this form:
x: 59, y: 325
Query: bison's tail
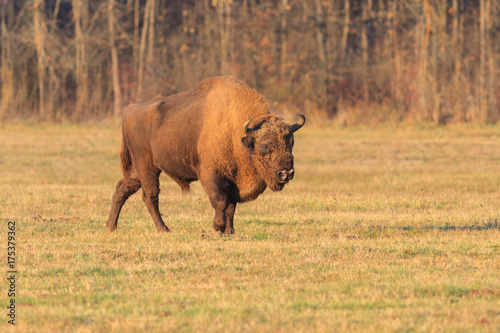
x: 126, y: 160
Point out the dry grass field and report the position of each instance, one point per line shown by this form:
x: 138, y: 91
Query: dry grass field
x: 389, y: 229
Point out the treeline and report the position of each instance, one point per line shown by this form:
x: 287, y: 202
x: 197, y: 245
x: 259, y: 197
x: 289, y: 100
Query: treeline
x: 357, y: 60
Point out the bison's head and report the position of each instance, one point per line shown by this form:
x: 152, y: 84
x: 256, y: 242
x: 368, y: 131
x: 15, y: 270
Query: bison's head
x: 270, y: 142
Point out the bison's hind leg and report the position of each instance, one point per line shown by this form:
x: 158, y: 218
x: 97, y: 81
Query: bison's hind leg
x: 150, y: 191
x: 124, y: 189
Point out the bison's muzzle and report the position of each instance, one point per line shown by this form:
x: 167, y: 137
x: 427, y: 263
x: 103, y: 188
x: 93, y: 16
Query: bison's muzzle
x: 285, y: 176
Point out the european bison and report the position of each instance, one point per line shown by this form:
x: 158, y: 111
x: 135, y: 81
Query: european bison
x: 221, y: 133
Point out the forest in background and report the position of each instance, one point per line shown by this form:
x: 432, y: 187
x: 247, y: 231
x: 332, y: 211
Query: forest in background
x: 356, y: 60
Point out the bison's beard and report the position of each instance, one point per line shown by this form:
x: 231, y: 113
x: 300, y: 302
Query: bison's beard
x: 269, y: 177
x: 276, y: 186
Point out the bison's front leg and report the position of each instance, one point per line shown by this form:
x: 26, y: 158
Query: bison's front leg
x: 224, y: 212
x: 223, y: 205
x: 229, y: 215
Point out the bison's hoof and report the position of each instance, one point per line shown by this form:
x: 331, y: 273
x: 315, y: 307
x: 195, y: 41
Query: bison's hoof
x: 219, y: 228
x: 110, y: 228
x: 229, y: 232
x: 163, y: 229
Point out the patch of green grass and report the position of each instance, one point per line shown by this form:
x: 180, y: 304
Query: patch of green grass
x: 261, y: 236
x: 100, y: 272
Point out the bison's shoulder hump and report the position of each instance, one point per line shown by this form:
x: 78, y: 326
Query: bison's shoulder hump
x: 220, y: 81
x: 231, y: 85
x: 227, y: 84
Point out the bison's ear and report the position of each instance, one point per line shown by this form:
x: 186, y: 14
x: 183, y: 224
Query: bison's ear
x: 248, y: 142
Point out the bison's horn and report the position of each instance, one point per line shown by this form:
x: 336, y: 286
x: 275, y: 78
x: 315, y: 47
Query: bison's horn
x: 295, y: 127
x: 247, y: 130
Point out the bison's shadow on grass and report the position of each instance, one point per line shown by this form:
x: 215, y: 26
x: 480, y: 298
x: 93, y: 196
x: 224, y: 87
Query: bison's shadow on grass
x: 489, y: 224
x: 388, y: 231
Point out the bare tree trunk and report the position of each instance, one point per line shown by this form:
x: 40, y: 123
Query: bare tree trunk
x: 135, y: 45
x: 320, y: 34
x: 284, y: 41
x: 210, y: 62
x: 480, y: 117
x: 455, y: 42
x: 333, y: 95
x: 437, y: 61
x: 255, y: 34
x: 247, y: 59
x: 423, y: 50
x: 228, y: 35
x: 345, y: 31
x: 443, y: 21
x: 366, y: 8
x: 54, y: 80
x: 151, y: 37
x: 81, y: 63
x: 223, y: 38
x: 7, y: 70
x: 343, y: 45
x: 395, y: 58
x: 38, y: 25
x: 320, y: 46
x: 54, y: 15
x: 456, y: 47
x: 114, y: 62
x: 142, y: 49
x: 491, y: 63
x: 225, y: 35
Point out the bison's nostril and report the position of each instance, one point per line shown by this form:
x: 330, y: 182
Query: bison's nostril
x: 282, y: 175
x: 285, y: 175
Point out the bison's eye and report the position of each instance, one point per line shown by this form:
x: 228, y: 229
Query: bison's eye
x: 264, y: 149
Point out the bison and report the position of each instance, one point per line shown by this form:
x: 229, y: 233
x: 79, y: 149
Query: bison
x: 221, y: 133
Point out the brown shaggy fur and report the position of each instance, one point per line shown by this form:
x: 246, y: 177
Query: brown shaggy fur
x: 199, y: 135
